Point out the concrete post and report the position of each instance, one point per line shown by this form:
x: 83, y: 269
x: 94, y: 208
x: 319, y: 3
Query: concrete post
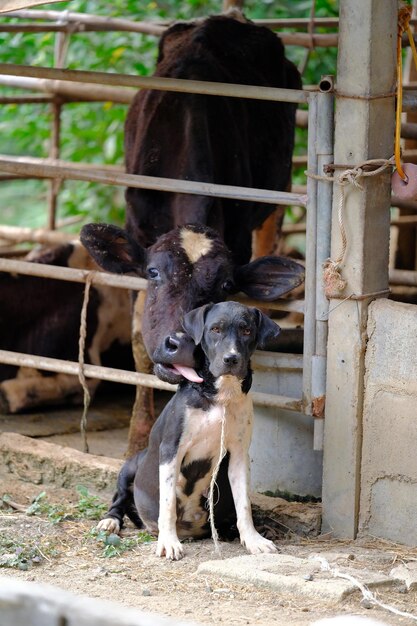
x: 364, y: 129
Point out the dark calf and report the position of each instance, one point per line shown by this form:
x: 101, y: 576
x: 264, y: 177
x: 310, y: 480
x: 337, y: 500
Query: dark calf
x: 172, y: 477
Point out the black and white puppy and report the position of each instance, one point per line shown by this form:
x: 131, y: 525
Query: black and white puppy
x: 171, y: 478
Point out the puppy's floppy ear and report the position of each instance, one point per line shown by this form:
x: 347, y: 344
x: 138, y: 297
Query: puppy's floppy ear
x: 268, y: 330
x: 193, y: 322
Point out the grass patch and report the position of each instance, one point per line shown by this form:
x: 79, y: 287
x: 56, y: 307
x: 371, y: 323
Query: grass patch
x: 291, y: 497
x: 88, y: 507
x: 23, y: 554
x: 112, y: 545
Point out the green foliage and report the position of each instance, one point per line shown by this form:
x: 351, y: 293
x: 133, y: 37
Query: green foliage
x: 112, y: 545
x: 93, y: 132
x: 88, y: 507
x: 23, y: 554
x: 55, y: 512
x: 18, y: 555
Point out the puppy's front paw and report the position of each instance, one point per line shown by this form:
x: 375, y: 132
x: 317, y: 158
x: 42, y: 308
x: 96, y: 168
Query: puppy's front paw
x: 109, y: 525
x: 256, y: 544
x: 170, y: 547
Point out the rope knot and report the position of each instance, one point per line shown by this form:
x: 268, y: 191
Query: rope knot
x: 351, y: 177
x: 334, y: 284
x: 404, y: 17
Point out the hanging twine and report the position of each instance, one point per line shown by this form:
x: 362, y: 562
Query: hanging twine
x: 81, y: 350
x: 334, y: 283
x: 222, y: 454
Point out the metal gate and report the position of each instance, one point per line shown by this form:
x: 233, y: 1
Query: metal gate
x: 309, y: 396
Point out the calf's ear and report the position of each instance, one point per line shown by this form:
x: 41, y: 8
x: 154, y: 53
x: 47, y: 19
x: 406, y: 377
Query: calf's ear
x: 269, y: 277
x: 193, y: 322
x: 268, y: 330
x: 112, y: 248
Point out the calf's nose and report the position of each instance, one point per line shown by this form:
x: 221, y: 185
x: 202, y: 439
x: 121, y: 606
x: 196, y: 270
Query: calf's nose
x: 230, y: 359
x: 172, y: 344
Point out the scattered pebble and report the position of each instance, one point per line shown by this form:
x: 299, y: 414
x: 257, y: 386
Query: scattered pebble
x: 366, y: 604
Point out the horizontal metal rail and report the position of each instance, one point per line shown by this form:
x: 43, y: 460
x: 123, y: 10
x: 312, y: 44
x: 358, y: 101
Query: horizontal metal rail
x: 125, y: 377
x: 163, y: 84
x: 65, y: 170
x: 72, y: 275
x: 85, y: 21
x: 125, y: 24
x: 43, y: 270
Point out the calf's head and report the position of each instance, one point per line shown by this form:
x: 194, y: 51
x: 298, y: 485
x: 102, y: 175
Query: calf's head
x: 186, y: 268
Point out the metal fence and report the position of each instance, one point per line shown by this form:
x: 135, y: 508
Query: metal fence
x: 318, y: 202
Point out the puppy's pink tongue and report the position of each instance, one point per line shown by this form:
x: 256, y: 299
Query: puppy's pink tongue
x: 188, y: 372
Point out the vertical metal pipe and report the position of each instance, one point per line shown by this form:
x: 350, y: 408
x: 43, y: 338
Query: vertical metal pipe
x: 310, y: 280
x: 324, y: 149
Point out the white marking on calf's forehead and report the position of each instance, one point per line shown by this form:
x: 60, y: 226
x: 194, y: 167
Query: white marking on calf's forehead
x: 195, y: 245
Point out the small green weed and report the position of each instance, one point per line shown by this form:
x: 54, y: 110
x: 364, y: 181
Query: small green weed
x: 21, y: 555
x: 56, y: 513
x: 89, y: 506
x: 113, y: 545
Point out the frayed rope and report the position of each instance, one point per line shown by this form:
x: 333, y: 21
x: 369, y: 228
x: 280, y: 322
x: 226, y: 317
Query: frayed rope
x: 334, y: 283
x: 81, y: 350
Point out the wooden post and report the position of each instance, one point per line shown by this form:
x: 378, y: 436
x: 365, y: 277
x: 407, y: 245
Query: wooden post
x: 61, y: 46
x: 364, y: 129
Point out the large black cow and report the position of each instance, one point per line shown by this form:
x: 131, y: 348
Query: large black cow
x: 213, y: 139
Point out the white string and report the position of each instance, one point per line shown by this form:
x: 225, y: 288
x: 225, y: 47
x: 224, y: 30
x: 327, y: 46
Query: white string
x: 367, y: 595
x: 213, y: 483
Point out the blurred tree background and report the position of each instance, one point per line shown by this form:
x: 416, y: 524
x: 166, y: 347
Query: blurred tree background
x: 93, y: 132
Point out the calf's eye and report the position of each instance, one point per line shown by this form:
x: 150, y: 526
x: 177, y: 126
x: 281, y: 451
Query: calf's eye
x: 246, y: 331
x: 153, y: 273
x: 228, y: 286
x: 215, y: 329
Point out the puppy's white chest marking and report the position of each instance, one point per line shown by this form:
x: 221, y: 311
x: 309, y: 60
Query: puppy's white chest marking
x: 201, y: 436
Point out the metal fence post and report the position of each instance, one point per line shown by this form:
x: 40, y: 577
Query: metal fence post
x: 310, y: 277
x: 324, y: 149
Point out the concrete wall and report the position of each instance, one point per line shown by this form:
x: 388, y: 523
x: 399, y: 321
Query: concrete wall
x: 282, y: 455
x: 388, y: 503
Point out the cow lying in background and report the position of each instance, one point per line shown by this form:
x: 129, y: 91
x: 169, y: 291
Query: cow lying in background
x: 41, y: 316
x: 171, y: 478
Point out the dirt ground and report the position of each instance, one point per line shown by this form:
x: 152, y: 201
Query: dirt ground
x: 67, y: 555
